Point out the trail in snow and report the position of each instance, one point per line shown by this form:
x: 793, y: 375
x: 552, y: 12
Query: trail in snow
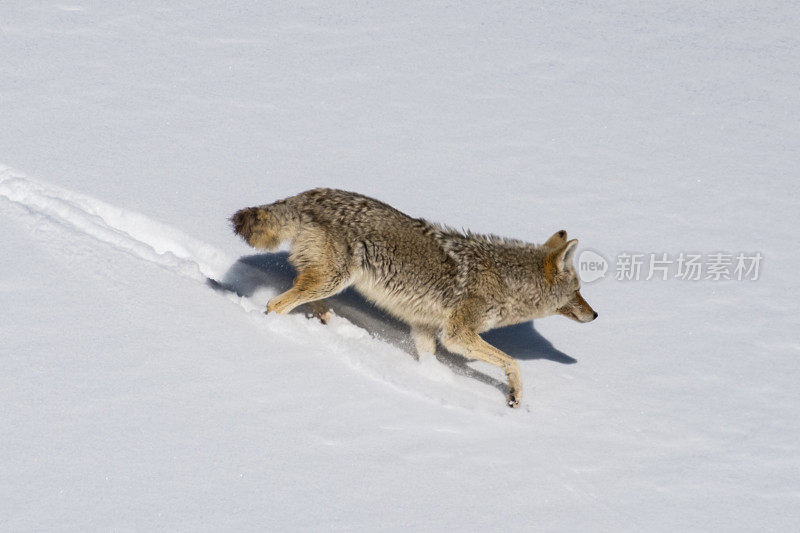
x: 250, y: 282
x: 131, y: 232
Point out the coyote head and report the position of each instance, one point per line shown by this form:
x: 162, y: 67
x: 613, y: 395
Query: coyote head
x: 563, y: 280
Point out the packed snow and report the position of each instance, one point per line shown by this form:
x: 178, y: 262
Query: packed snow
x: 143, y: 388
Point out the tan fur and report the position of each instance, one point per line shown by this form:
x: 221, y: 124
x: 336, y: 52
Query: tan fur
x: 440, y: 281
x: 558, y: 238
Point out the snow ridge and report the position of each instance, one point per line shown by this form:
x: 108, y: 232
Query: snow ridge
x: 122, y: 229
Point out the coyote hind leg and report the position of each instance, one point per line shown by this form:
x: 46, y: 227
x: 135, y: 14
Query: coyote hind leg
x: 311, y: 284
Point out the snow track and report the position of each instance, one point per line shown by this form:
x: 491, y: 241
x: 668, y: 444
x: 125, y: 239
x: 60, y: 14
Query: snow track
x: 128, y: 231
x: 190, y: 258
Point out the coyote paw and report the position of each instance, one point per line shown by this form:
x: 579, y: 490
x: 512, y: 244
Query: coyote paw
x: 323, y: 318
x: 319, y: 309
x: 275, y: 305
x: 512, y: 400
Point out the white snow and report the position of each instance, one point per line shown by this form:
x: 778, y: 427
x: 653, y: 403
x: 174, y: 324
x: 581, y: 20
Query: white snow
x: 138, y: 395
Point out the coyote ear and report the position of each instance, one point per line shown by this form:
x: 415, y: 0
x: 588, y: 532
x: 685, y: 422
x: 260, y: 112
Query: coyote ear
x: 563, y: 256
x: 558, y: 238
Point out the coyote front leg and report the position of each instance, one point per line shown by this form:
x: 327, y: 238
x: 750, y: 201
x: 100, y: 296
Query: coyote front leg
x: 459, y: 337
x: 470, y: 344
x: 424, y: 338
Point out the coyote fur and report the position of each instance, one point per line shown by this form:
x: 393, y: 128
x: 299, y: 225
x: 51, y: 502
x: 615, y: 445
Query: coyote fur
x: 443, y: 283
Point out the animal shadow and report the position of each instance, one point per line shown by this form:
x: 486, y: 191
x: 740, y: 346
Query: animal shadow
x: 274, y: 274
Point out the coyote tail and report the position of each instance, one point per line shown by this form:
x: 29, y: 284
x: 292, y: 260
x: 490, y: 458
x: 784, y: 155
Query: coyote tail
x: 266, y: 226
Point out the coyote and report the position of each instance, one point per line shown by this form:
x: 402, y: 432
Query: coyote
x: 443, y: 283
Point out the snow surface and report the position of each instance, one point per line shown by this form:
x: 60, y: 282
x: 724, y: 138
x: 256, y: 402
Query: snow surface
x: 137, y: 394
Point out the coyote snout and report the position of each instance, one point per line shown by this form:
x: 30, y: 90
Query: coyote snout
x: 446, y: 284
x: 578, y: 309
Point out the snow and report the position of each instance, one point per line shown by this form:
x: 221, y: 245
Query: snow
x: 137, y: 394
